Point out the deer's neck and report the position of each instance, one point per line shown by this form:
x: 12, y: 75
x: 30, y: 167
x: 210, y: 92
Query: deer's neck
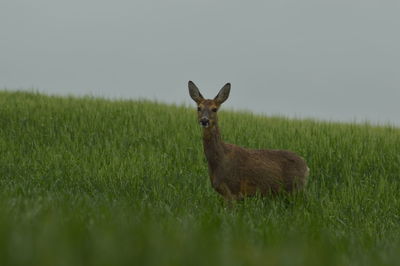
x: 213, y: 146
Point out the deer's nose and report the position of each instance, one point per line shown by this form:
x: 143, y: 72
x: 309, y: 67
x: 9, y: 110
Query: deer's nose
x: 204, y: 121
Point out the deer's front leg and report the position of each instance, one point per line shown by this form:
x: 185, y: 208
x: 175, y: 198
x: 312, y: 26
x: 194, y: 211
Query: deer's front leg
x: 229, y: 197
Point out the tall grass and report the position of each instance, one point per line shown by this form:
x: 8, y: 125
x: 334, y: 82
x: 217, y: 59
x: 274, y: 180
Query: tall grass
x: 88, y: 181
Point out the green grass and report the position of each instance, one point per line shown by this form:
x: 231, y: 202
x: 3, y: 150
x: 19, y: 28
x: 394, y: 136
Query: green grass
x: 88, y: 181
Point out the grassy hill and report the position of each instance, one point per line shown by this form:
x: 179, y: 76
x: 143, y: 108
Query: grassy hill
x: 88, y: 181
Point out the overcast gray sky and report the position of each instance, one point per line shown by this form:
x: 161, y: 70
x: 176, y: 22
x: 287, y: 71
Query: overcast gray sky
x: 337, y: 59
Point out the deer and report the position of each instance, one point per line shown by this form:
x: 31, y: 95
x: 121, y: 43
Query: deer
x: 237, y: 172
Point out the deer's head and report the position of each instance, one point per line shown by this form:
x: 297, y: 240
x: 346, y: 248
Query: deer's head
x: 207, y: 108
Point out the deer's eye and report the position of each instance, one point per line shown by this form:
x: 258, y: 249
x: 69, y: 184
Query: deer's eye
x: 198, y: 109
x: 214, y: 109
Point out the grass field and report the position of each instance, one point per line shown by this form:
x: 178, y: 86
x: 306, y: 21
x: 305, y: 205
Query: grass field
x: 88, y: 181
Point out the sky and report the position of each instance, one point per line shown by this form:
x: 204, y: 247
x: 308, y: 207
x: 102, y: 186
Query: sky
x: 334, y: 60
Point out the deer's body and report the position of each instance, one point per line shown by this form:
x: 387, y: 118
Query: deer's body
x: 236, y: 172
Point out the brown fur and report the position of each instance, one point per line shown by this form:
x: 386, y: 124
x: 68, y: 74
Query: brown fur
x: 236, y: 172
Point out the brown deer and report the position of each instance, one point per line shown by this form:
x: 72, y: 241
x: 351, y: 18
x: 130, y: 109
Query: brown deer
x: 236, y: 172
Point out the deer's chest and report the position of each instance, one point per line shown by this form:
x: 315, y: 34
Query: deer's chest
x: 222, y: 181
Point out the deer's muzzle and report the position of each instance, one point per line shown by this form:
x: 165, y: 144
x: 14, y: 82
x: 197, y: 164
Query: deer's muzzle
x: 204, y: 122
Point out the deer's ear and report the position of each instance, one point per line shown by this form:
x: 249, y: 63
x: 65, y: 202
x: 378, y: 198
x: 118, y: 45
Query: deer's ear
x: 223, y: 94
x: 194, y: 92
